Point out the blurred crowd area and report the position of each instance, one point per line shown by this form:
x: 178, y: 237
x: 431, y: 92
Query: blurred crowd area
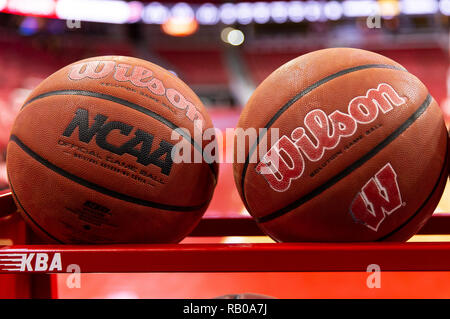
x: 221, y: 71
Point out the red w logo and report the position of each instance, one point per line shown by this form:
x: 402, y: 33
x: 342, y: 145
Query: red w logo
x: 379, y: 197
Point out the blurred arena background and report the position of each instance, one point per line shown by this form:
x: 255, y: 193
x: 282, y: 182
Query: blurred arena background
x: 223, y: 50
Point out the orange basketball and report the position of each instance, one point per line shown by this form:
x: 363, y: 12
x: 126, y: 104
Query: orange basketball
x: 90, y: 154
x: 356, y: 150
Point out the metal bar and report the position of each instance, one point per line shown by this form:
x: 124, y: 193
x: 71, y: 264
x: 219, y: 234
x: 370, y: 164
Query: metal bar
x: 7, y: 205
x: 42, y: 286
x: 226, y: 226
x: 278, y: 257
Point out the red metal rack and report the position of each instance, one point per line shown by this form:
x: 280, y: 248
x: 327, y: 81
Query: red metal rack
x: 24, y: 258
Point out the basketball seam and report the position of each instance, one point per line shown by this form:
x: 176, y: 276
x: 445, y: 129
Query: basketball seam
x: 29, y: 216
x: 133, y: 106
x: 443, y: 170
x: 349, y: 169
x: 288, y: 104
x: 99, y: 188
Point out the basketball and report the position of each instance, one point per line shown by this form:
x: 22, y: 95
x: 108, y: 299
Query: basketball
x: 89, y: 158
x: 350, y: 147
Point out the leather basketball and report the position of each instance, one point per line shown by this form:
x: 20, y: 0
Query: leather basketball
x: 356, y: 150
x: 90, y: 154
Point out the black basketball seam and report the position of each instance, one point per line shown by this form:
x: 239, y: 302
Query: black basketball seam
x: 296, y: 98
x: 99, y: 188
x: 29, y: 216
x: 130, y: 105
x: 349, y: 169
x: 443, y: 170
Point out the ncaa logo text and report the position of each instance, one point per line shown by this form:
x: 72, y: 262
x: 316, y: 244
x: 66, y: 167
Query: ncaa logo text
x: 101, y: 128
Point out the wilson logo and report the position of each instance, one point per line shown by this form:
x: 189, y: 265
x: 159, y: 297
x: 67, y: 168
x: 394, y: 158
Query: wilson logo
x: 139, y: 77
x: 379, y: 197
x: 285, y: 160
x: 139, y: 145
x: 31, y: 262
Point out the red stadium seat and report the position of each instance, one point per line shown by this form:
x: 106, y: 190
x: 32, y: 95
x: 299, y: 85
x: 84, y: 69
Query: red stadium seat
x: 198, y: 67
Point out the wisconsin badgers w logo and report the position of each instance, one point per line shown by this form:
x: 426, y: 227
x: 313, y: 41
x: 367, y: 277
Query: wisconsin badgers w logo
x: 378, y: 198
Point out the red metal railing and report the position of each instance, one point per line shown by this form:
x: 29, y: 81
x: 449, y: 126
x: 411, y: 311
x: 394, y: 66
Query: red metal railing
x: 267, y: 257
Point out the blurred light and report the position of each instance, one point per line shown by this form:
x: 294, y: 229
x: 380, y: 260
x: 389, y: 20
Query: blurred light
x: 389, y: 8
x: 235, y: 37
x: 179, y: 27
x: 174, y: 73
x: 228, y: 13
x: 135, y: 8
x: 313, y: 11
x: 360, y: 8
x: 182, y: 21
x: 210, y: 13
x: 444, y: 5
x: 183, y: 11
x: 207, y: 14
x: 32, y: 7
x: 295, y: 11
x: 155, y: 13
x: 2, y: 4
x: 261, y: 12
x: 56, y: 26
x: 333, y: 10
x: 244, y: 13
x: 232, y: 36
x: 419, y: 7
x: 29, y: 26
x: 224, y: 34
x: 279, y: 11
x: 112, y: 11
x: 123, y: 294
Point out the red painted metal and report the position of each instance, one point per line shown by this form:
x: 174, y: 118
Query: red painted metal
x: 7, y: 205
x: 270, y: 257
x: 220, y: 227
x: 279, y: 257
